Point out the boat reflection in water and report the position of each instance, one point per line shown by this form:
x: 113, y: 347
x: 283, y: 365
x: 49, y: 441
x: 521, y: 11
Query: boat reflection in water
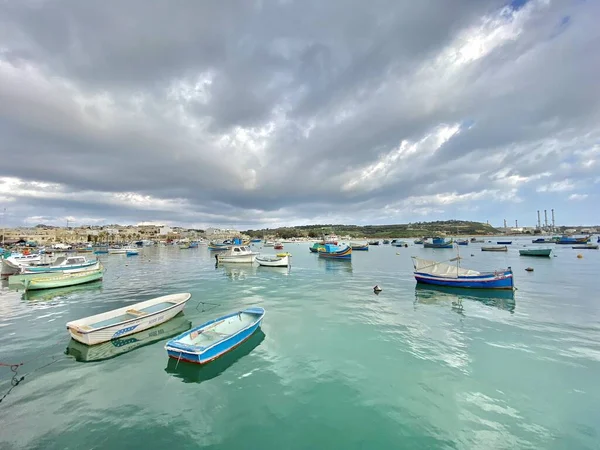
x: 195, y: 373
x: 498, y: 298
x: 116, y: 347
x: 237, y: 271
x: 51, y: 294
x: 336, y: 265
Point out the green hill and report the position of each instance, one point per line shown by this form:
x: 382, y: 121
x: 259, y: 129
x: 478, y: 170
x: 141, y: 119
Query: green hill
x: 418, y: 229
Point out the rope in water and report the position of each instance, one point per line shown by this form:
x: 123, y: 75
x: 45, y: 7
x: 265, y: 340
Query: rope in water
x: 14, y: 368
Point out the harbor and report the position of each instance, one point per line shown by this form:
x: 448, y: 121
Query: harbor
x: 434, y: 365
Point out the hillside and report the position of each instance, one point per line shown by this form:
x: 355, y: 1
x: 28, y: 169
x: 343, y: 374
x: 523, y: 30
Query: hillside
x: 450, y: 227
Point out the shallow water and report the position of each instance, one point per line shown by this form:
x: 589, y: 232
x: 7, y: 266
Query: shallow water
x: 334, y: 366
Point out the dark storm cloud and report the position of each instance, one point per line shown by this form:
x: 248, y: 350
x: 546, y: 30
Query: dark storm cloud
x: 248, y: 112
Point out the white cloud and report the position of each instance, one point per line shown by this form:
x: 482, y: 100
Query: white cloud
x: 578, y: 197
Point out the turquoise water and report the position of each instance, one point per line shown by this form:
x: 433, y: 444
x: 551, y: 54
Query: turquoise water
x: 335, y: 366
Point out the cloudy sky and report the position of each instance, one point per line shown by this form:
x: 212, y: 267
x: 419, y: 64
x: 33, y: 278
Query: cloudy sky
x: 265, y: 113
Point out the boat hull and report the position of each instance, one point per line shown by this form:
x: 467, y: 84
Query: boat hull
x: 539, y: 252
x: 344, y: 254
x: 62, y: 280
x: 115, y: 347
x: 248, y: 259
x: 495, y: 280
x: 283, y: 261
x: 205, y: 355
x: 125, y: 328
x: 494, y: 249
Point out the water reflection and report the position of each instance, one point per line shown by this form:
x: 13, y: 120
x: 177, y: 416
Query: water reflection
x: 339, y: 265
x: 194, y: 373
x: 116, y: 347
x: 429, y: 294
x: 237, y: 271
x: 52, y: 294
x: 278, y: 270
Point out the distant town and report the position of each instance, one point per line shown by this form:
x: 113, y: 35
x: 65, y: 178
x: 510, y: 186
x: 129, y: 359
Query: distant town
x: 46, y: 234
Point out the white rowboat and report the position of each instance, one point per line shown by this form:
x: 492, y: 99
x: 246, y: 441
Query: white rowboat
x: 273, y: 261
x: 127, y: 320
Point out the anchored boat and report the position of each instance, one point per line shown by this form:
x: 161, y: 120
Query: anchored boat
x: 214, y: 338
x: 237, y: 254
x: 127, y: 320
x: 544, y: 252
x: 503, y: 248
x: 443, y: 274
x: 274, y: 261
x: 66, y: 265
x: 57, y: 279
x: 334, y: 252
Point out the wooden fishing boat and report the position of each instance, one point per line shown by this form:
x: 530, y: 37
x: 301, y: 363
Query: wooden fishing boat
x: 278, y: 246
x: 443, y: 274
x: 477, y: 241
x: 504, y: 242
x: 317, y: 247
x: 334, y: 252
x: 438, y: 243
x: 359, y: 247
x: 214, y: 338
x: 273, y: 261
x: 373, y: 243
x: 462, y: 242
x: 237, y: 254
x: 132, y: 252
x: 566, y: 240
x: 503, y: 248
x: 61, y: 279
x: 115, y: 347
x: 218, y: 247
x: 586, y: 247
x: 66, y: 265
x: 127, y: 320
x: 543, y: 252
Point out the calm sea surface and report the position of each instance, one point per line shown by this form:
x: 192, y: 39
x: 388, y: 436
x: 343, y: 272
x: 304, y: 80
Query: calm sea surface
x: 335, y: 366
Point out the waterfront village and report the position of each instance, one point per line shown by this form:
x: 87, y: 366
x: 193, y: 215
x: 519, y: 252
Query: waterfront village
x: 116, y: 234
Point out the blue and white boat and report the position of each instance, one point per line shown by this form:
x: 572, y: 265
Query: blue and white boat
x: 214, y: 338
x: 443, y: 274
x: 66, y: 265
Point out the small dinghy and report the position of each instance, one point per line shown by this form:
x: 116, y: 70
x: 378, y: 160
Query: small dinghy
x: 127, y: 320
x: 212, y: 339
x: 273, y: 261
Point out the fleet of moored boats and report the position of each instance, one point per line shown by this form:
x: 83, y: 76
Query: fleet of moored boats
x: 212, y: 339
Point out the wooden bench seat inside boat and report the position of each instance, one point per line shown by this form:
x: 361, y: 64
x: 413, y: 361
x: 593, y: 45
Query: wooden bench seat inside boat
x: 135, y: 312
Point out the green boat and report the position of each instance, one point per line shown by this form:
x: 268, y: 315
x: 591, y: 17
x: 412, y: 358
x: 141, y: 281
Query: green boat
x: 317, y: 247
x: 56, y: 280
x: 535, y: 252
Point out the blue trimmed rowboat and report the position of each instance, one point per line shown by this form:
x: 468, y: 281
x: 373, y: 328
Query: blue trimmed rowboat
x: 442, y: 274
x: 216, y: 337
x: 360, y: 247
x: 334, y: 252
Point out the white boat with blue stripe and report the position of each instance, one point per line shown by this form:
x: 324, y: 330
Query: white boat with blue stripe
x: 127, y: 320
x: 213, y: 339
x: 69, y: 264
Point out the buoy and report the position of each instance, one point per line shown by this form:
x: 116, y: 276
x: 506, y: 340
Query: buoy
x: 377, y: 289
x: 529, y: 269
x: 580, y: 256
x: 472, y: 254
